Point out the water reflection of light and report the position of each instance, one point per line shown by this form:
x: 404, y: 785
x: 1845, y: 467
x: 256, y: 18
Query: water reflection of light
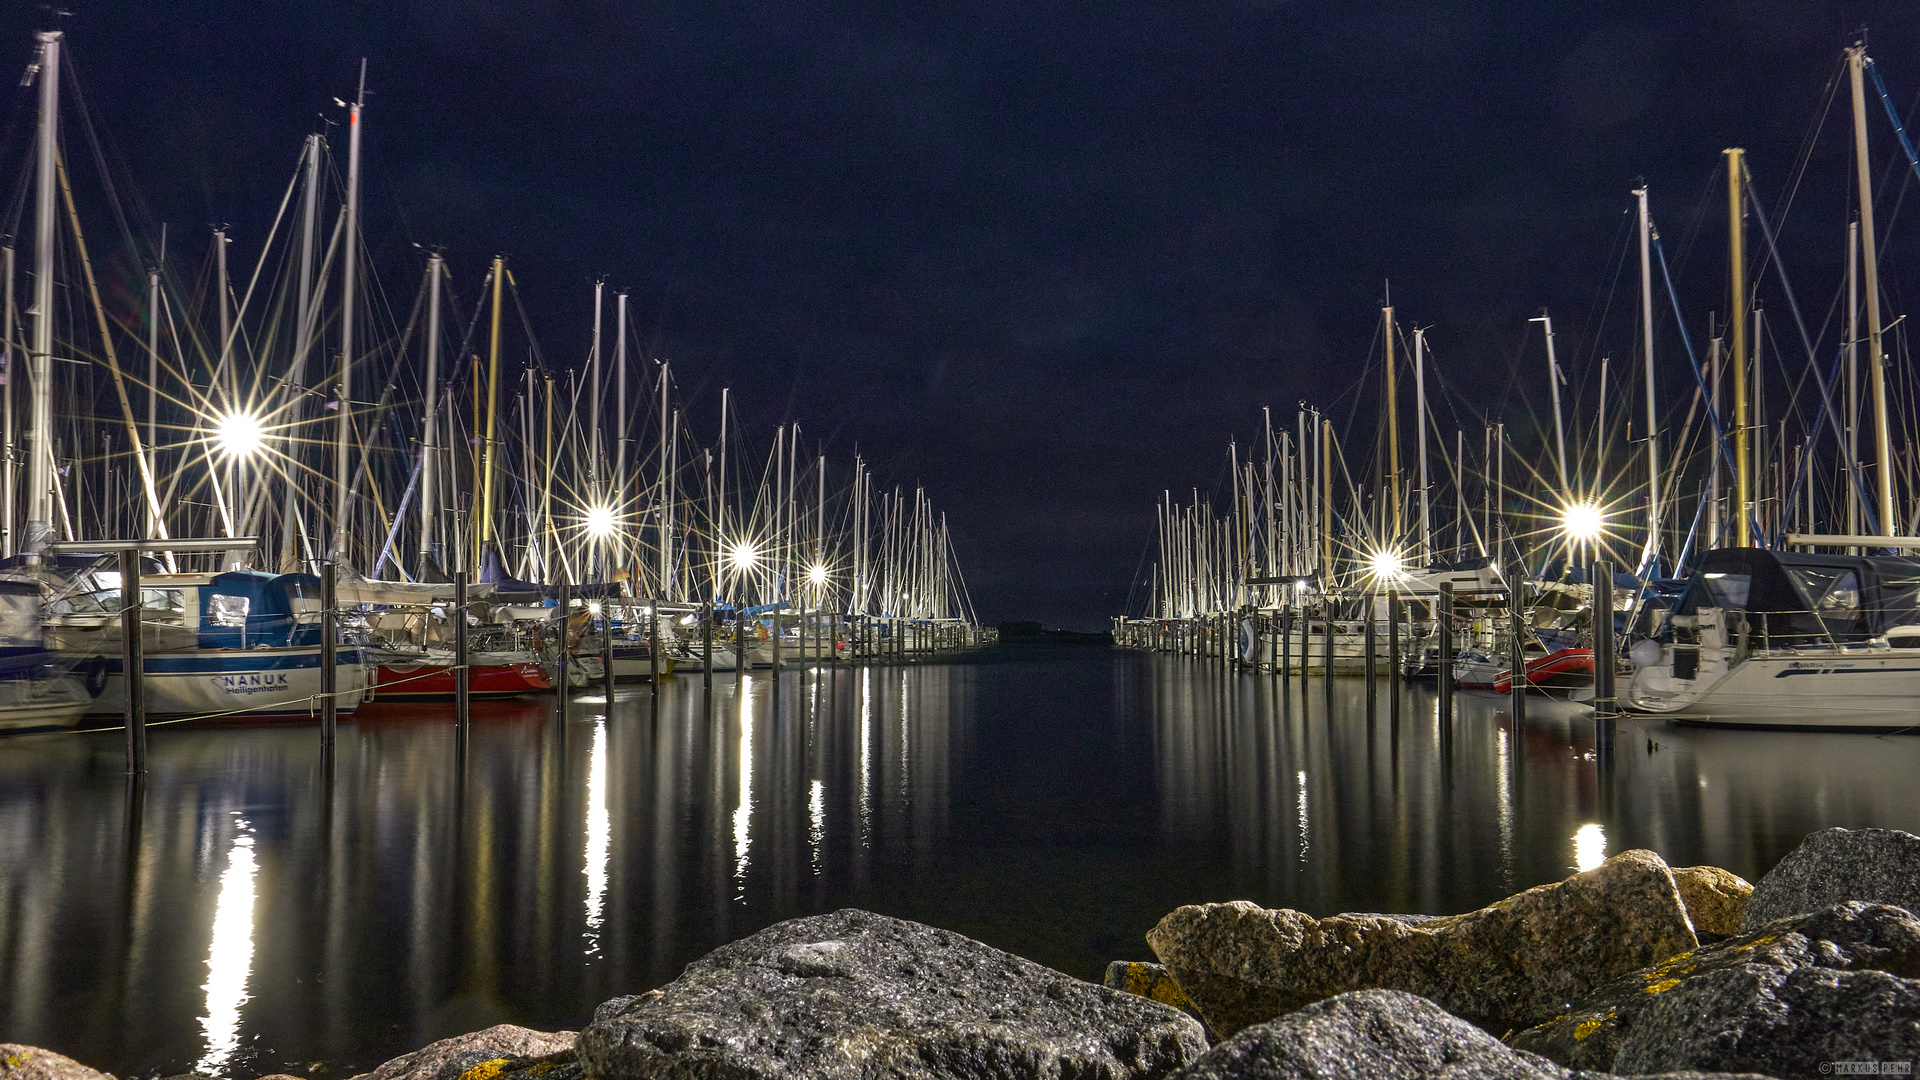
x: 866, y: 755
x: 743, y: 813
x: 1503, y: 789
x: 1589, y: 846
x: 1301, y: 777
x: 230, y: 957
x: 817, y: 821
x: 599, y: 838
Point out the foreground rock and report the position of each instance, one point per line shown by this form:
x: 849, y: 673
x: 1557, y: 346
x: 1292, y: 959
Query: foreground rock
x: 1148, y: 981
x: 854, y: 994
x: 1841, y: 984
x: 488, y: 1054
x: 1833, y: 866
x: 1513, y: 964
x: 21, y: 1062
x: 1367, y: 1035
x: 1716, y: 899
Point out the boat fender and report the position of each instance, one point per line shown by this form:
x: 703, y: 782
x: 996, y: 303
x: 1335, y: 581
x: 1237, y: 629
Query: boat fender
x: 96, y: 675
x: 1645, y: 653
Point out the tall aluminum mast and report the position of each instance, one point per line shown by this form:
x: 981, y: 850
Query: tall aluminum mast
x: 1870, y: 264
x: 1653, y: 416
x: 349, y: 282
x: 428, y: 505
x: 40, y: 422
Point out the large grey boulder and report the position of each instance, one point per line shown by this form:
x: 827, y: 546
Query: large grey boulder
x: 1512, y: 964
x: 855, y: 995
x: 1842, y: 984
x: 21, y: 1062
x: 493, y: 1051
x: 1832, y: 866
x: 1367, y: 1035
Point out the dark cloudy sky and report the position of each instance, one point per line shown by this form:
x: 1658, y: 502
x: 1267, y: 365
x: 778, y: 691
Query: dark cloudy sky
x: 1045, y: 257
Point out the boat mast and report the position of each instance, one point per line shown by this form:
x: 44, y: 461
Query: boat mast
x: 1853, y: 382
x: 665, y: 525
x: 352, y: 252
x: 619, y: 500
x: 597, y: 563
x: 1652, y: 551
x: 1393, y: 432
x: 484, y: 534
x: 6, y: 408
x: 427, y: 504
x: 1420, y: 425
x: 1737, y: 359
x: 1559, y: 427
x: 40, y: 423
x: 1870, y: 263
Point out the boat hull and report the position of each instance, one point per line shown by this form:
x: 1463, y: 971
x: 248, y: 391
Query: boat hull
x: 232, y: 684
x: 432, y: 682
x: 1850, y: 689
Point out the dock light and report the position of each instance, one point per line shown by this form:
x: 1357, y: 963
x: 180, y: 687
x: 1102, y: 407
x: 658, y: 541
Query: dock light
x: 1582, y: 521
x: 1385, y: 564
x: 593, y: 607
x: 600, y: 520
x: 744, y: 556
x: 240, y: 434
x: 817, y: 575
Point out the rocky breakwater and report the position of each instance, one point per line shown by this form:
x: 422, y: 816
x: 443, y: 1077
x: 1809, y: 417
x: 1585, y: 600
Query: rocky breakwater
x: 1512, y: 964
x: 1603, y: 971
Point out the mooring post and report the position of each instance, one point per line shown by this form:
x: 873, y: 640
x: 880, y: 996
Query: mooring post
x: 606, y: 651
x: 739, y: 641
x: 1326, y: 631
x: 329, y: 671
x: 706, y: 645
x: 133, y: 662
x: 560, y: 687
x: 1604, y: 706
x: 462, y: 674
x: 1372, y: 677
x: 1517, y: 664
x: 1393, y: 654
x: 653, y: 647
x: 1443, y: 624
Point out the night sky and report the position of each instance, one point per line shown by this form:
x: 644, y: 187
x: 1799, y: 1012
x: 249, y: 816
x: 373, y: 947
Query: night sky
x: 1045, y: 258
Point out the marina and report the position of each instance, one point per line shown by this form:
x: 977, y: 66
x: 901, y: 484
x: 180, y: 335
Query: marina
x: 578, y: 560
x: 258, y: 905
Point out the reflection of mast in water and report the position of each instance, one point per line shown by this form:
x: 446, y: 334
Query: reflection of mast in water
x: 866, y: 758
x: 599, y: 838
x: 230, y: 955
x: 743, y: 813
x: 1503, y: 787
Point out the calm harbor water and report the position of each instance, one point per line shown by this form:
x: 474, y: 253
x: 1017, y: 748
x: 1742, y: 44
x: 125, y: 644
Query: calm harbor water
x: 255, y: 907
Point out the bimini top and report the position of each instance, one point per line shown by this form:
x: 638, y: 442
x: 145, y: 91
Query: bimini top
x: 1805, y: 598
x: 251, y: 609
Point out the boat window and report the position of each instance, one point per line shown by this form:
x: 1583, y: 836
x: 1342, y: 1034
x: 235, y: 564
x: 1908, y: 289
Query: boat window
x: 227, y: 610
x: 1832, y: 591
x: 19, y: 621
x: 1730, y: 590
x: 1843, y: 598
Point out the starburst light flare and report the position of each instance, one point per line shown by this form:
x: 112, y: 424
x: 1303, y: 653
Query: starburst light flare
x: 240, y: 434
x: 1582, y: 521
x: 600, y: 520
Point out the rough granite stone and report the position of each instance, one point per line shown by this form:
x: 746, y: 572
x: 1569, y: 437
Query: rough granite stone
x: 1716, y: 899
x: 1372, y: 1034
x: 502, y: 1042
x: 1149, y: 981
x: 1838, y: 984
x: 1832, y: 866
x: 21, y: 1062
x: 855, y: 995
x: 1512, y: 964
